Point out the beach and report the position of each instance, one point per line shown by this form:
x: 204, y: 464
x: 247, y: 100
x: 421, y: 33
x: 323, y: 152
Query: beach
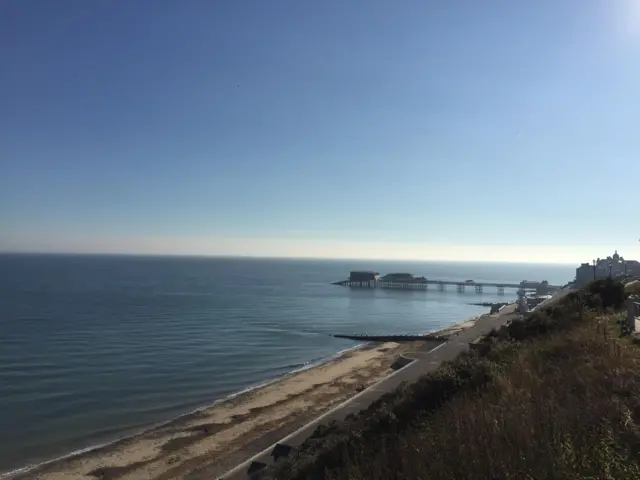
x: 231, y: 430
x: 208, y: 442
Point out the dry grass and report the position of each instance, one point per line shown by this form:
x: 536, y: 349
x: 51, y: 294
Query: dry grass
x: 564, y: 407
x: 557, y: 396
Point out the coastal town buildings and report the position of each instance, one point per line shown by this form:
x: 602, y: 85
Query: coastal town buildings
x: 614, y: 266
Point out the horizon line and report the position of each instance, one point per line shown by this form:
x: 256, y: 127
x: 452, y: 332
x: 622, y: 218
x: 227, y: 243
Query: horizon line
x: 259, y: 257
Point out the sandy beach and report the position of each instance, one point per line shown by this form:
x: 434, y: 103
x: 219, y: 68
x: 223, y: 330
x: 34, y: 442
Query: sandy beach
x: 229, y: 431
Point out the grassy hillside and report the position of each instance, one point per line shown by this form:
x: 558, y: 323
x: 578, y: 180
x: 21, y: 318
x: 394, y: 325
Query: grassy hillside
x: 556, y: 396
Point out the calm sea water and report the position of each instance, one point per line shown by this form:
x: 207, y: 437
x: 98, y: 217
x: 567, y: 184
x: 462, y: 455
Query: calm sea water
x: 95, y: 347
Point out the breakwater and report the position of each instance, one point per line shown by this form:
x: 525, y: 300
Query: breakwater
x: 389, y: 338
x: 489, y: 304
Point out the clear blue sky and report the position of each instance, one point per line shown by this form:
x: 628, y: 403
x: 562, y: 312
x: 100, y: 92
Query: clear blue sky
x: 411, y: 128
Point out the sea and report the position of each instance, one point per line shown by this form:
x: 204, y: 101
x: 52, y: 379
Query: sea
x: 97, y: 347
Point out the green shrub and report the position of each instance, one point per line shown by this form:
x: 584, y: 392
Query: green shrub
x: 605, y: 293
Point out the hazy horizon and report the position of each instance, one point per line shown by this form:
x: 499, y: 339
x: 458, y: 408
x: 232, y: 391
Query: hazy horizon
x: 360, y: 251
x: 254, y: 257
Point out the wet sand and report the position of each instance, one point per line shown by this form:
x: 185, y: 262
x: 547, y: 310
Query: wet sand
x: 212, y: 440
x: 233, y: 429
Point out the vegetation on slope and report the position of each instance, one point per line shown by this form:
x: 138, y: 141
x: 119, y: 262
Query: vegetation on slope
x: 555, y: 396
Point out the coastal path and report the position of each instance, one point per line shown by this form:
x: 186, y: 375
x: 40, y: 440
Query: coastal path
x: 426, y: 359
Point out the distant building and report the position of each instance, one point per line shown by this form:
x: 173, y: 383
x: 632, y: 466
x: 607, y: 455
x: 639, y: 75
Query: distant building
x: 614, y: 266
x: 633, y: 268
x: 584, y: 274
x: 402, y: 278
x: 359, y: 276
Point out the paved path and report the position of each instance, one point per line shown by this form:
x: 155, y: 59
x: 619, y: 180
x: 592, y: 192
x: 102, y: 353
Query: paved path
x: 557, y: 296
x: 427, y: 359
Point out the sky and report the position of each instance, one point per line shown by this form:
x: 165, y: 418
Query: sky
x: 497, y: 130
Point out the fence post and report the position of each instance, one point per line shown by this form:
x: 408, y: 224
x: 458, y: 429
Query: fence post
x: 631, y: 314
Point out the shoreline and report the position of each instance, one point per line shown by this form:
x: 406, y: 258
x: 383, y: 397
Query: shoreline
x: 272, y: 408
x: 17, y: 473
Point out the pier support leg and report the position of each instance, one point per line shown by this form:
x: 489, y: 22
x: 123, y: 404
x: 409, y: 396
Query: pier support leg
x: 441, y: 287
x: 478, y: 288
x: 461, y: 288
x: 500, y: 290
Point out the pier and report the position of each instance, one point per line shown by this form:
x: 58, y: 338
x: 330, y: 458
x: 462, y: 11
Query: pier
x: 405, y: 281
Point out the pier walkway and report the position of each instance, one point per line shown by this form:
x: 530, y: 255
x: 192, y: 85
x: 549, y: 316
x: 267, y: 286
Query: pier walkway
x: 524, y: 286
